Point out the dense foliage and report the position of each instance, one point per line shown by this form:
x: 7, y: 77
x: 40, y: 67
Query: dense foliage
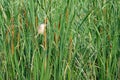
x: 81, y: 40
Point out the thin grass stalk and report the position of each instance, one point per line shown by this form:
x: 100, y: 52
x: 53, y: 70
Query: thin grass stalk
x: 12, y: 31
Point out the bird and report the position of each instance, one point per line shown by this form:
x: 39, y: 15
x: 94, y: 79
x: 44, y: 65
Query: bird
x: 41, y: 28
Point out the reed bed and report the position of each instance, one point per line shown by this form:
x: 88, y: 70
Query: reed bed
x: 81, y: 40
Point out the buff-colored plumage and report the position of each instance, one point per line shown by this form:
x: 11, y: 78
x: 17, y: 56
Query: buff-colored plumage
x: 41, y: 28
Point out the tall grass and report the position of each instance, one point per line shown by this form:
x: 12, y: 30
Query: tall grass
x: 81, y: 41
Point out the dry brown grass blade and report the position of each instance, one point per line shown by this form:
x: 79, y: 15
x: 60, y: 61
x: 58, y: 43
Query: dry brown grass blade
x: 36, y: 21
x: 70, y: 47
x: 12, y: 31
x: 45, y: 36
